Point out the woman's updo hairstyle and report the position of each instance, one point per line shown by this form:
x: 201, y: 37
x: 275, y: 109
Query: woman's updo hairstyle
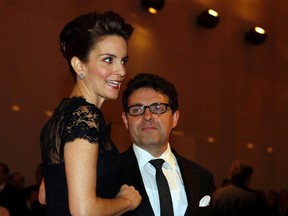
x: 79, y: 36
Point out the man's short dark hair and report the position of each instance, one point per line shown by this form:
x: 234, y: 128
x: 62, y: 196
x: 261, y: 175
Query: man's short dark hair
x: 152, y: 81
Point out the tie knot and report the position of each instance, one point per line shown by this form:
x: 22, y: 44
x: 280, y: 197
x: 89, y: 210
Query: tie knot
x: 157, y: 163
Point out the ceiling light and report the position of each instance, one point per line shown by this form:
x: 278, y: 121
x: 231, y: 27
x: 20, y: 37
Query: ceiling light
x: 208, y: 18
x: 153, y: 6
x: 256, y: 35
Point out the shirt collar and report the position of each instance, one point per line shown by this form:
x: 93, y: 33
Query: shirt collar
x: 143, y: 157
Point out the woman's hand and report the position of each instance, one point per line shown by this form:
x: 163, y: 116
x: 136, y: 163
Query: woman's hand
x: 131, y: 194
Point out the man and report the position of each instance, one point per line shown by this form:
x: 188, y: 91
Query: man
x: 151, y: 112
x: 10, y: 197
x: 237, y: 199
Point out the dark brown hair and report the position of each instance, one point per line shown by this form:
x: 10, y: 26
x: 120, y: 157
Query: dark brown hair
x: 79, y: 36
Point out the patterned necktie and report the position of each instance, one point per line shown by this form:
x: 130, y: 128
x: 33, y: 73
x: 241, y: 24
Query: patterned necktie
x: 165, y: 199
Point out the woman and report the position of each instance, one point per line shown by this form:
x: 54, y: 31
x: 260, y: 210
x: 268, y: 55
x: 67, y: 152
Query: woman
x: 79, y: 163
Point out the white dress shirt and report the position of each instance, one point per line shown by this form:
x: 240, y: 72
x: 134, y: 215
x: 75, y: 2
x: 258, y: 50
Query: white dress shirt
x: 171, y: 171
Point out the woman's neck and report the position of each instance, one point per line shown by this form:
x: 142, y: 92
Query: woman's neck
x: 89, y: 97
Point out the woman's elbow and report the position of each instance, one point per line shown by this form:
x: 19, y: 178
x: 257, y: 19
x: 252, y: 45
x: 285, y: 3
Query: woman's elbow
x: 42, y: 193
x: 41, y: 199
x: 83, y: 208
x: 78, y: 211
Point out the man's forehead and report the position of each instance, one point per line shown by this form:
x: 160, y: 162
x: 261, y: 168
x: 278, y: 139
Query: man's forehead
x: 147, y: 94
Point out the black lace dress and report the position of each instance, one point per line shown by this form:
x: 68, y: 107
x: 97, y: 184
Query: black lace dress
x: 76, y: 118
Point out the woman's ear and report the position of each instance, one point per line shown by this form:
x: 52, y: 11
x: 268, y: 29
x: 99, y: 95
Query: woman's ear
x: 78, y: 66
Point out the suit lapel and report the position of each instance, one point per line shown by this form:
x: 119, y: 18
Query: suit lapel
x: 191, y: 184
x: 133, y: 177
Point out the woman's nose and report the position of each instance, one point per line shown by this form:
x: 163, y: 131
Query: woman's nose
x: 121, y: 70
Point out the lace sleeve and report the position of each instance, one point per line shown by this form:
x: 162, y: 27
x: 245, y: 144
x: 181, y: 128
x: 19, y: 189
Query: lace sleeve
x: 73, y: 118
x: 82, y: 124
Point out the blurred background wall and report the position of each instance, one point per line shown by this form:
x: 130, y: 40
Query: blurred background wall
x: 233, y: 95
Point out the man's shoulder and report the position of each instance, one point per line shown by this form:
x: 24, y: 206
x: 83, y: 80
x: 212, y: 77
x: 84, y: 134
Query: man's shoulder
x: 192, y: 166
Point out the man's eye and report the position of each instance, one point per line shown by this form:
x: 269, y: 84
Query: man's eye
x: 158, y: 108
x: 136, y: 110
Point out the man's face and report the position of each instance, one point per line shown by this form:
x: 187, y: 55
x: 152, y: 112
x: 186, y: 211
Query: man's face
x: 150, y: 131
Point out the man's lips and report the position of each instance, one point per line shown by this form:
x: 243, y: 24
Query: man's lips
x: 148, y: 128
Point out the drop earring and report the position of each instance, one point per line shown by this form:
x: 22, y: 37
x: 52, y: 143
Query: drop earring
x: 81, y: 76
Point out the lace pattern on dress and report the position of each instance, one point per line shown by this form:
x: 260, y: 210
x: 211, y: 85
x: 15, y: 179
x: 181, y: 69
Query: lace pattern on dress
x: 74, y: 118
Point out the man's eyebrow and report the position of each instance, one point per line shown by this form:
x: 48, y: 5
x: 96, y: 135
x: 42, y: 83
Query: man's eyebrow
x: 136, y: 104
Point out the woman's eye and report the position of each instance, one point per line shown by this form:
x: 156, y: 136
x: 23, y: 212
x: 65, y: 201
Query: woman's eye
x: 108, y: 60
x: 125, y: 61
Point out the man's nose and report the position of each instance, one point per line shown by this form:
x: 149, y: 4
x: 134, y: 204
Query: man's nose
x: 147, y: 114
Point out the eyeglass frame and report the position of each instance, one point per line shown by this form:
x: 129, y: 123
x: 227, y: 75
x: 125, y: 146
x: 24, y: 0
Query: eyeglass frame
x: 148, y: 106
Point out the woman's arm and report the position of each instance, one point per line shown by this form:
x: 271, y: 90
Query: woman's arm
x: 42, y: 193
x: 81, y: 165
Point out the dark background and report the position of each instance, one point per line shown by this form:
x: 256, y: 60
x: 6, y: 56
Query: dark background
x: 229, y: 90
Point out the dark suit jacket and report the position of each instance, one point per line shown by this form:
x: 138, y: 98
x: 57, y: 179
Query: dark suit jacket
x: 233, y: 200
x: 198, y: 182
x: 11, y: 199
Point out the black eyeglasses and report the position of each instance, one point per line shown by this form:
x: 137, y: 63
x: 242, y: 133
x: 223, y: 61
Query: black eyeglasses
x: 155, y: 108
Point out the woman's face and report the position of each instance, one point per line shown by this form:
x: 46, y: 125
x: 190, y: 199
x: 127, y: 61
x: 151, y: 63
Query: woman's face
x: 105, y: 68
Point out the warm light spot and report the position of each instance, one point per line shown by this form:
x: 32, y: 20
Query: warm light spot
x: 48, y: 113
x: 177, y: 133
x: 250, y: 145
x: 213, y: 12
x: 152, y: 10
x: 210, y: 139
x: 15, y: 108
x: 270, y: 150
x: 259, y: 30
